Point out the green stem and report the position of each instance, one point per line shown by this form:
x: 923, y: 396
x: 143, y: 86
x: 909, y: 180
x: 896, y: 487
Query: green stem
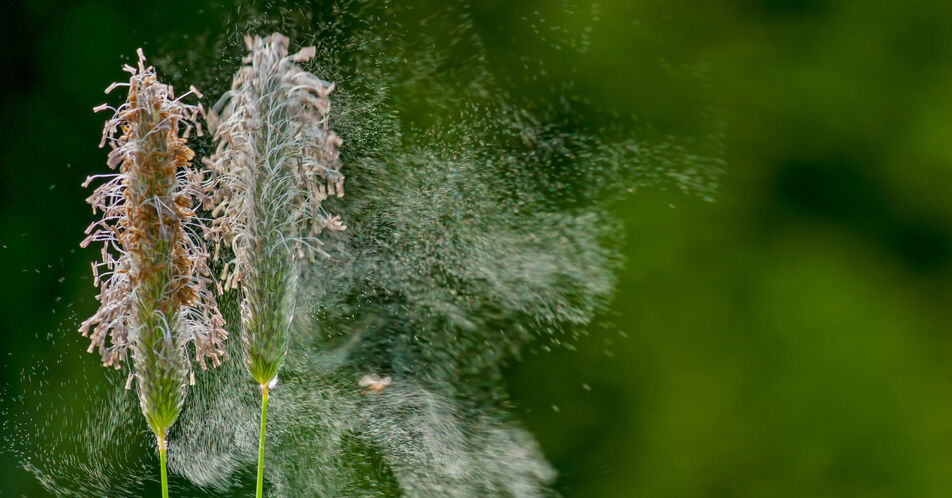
x: 264, y: 415
x: 165, y: 476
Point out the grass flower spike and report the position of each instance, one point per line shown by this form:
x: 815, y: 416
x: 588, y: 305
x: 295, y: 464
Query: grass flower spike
x: 153, y: 278
x: 276, y: 163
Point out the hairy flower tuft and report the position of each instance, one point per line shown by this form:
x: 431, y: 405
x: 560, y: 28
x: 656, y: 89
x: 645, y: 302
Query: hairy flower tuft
x: 276, y: 163
x: 154, y: 277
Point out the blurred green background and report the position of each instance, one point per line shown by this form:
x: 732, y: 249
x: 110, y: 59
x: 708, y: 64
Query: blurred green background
x: 790, y: 339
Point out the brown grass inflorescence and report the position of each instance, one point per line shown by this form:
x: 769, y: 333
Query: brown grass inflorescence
x: 154, y: 277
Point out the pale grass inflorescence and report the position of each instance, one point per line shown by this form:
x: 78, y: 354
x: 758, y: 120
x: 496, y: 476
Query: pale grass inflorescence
x: 276, y: 163
x: 154, y: 277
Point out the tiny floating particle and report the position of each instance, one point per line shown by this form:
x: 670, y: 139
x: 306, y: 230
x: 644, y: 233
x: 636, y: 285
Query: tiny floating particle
x: 374, y: 383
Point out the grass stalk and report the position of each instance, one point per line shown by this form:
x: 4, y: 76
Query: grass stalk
x: 264, y: 417
x: 164, y: 471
